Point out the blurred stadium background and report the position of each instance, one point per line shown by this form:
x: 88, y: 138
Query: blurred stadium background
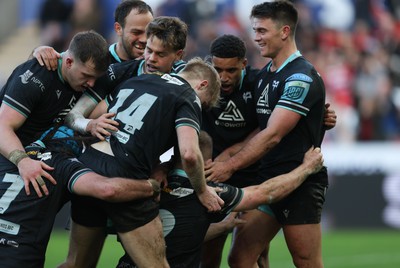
x: 354, y: 44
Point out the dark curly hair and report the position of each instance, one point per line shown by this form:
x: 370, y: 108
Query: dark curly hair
x: 228, y: 46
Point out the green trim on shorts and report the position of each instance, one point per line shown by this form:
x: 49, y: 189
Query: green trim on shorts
x: 266, y: 209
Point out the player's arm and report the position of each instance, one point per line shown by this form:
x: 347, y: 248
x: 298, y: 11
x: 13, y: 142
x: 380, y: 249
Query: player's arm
x: 279, y: 187
x: 232, y: 150
x: 100, y: 121
x: 46, y: 56
x: 11, y: 147
x: 114, y: 189
x: 192, y: 162
x: 223, y: 227
x: 281, y: 122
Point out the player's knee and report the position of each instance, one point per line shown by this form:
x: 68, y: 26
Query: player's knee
x: 306, y: 260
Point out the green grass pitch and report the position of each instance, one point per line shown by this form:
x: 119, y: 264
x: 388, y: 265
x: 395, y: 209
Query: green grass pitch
x: 341, y: 249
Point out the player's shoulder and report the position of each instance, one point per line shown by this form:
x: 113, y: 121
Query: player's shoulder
x: 123, y: 69
x: 30, y: 73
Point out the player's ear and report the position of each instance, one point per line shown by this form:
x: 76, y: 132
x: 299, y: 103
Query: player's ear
x: 118, y: 28
x: 179, y: 54
x: 203, y: 84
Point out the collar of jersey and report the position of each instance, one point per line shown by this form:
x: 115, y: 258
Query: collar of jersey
x: 242, y: 78
x: 113, y: 50
x: 178, y: 172
x: 141, y: 68
x: 287, y: 61
x: 59, y: 65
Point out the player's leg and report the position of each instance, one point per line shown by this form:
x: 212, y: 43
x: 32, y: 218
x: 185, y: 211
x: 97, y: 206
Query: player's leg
x: 300, y: 215
x: 304, y: 244
x: 263, y: 259
x: 146, y: 245
x: 85, y: 245
x: 212, y: 252
x: 251, y: 238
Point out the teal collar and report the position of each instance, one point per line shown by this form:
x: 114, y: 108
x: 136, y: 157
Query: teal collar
x: 140, y: 70
x: 242, y: 78
x: 178, y: 172
x: 59, y: 66
x: 113, y: 50
x: 287, y: 61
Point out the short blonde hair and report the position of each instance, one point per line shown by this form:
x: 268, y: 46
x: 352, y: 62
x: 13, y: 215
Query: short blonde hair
x: 199, y: 69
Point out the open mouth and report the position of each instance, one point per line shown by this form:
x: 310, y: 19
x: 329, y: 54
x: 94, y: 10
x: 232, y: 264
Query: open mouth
x: 139, y: 46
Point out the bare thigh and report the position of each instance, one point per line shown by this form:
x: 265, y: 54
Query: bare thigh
x: 85, y: 245
x: 304, y: 244
x: 146, y: 245
x: 251, y: 238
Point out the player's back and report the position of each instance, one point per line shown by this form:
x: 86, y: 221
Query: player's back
x: 148, y: 109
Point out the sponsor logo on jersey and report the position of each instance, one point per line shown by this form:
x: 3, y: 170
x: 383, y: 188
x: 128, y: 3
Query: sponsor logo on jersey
x: 172, y: 80
x: 275, y: 84
x: 231, y: 117
x: 263, y: 102
x: 38, y: 83
x: 247, y: 96
x: 296, y: 91
x: 25, y: 76
x: 121, y: 136
x: 58, y: 92
x: 9, y: 227
x: 110, y: 72
x: 8, y: 243
x: 286, y: 213
x: 179, y: 192
x: 299, y: 76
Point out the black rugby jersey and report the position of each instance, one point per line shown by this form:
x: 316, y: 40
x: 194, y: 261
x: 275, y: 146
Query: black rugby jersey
x: 234, y: 118
x: 121, y: 71
x: 298, y: 87
x: 232, y: 121
x: 40, y: 95
x: 26, y: 221
x: 148, y: 109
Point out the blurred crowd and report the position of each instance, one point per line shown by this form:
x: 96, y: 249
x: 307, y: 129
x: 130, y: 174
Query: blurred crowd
x: 354, y: 44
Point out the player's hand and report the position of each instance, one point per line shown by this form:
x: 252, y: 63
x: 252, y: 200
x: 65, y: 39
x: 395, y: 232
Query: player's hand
x: 34, y: 172
x: 47, y: 56
x: 160, y: 173
x: 313, y: 159
x: 217, y: 171
x: 210, y: 199
x: 329, y: 117
x: 102, y: 126
x: 231, y: 221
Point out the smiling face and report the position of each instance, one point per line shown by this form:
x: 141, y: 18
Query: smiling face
x: 268, y: 36
x: 230, y: 72
x: 159, y: 57
x: 132, y: 37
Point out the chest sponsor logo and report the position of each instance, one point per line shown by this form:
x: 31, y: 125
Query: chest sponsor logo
x: 263, y: 103
x: 231, y: 117
x: 111, y: 73
x: 231, y: 113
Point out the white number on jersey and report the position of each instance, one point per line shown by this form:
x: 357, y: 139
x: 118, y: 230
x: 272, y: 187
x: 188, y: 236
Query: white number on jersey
x: 17, y: 183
